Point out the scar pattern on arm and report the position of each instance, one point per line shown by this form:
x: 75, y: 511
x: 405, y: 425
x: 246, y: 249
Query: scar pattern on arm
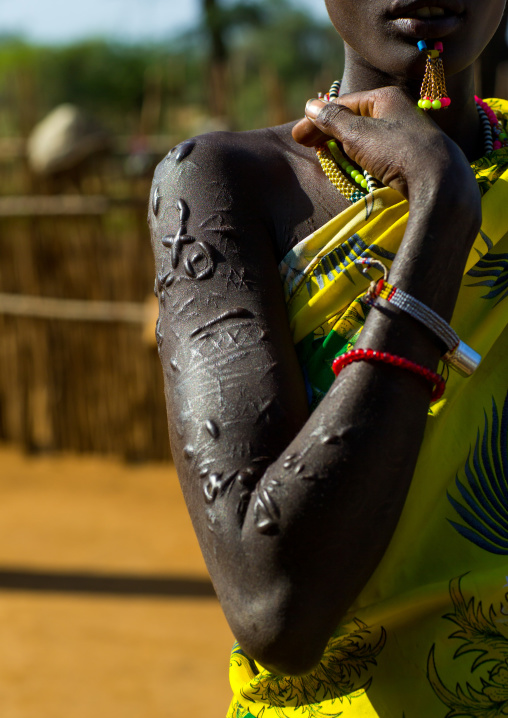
x: 236, y: 313
x: 195, y: 257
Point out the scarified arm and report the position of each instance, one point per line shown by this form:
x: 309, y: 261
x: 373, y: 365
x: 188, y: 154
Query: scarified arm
x: 293, y: 513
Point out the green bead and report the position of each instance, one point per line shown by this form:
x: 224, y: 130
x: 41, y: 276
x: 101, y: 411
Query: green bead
x: 436, y: 105
x: 355, y: 174
x: 350, y: 169
x: 364, y: 184
x: 420, y: 104
x: 344, y: 164
x: 427, y: 104
x: 359, y: 178
x: 503, y: 136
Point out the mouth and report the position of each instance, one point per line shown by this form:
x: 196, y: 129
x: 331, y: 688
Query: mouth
x: 426, y: 19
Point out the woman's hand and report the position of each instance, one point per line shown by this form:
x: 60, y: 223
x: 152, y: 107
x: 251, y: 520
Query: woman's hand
x: 385, y: 133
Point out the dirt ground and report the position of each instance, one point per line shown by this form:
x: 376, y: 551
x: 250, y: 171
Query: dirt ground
x: 105, y: 606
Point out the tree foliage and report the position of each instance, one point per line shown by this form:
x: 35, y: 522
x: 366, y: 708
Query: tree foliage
x: 275, y: 55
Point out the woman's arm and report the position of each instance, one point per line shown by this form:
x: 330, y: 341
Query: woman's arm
x: 293, y: 513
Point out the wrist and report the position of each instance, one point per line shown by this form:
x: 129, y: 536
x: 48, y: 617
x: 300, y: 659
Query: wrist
x: 444, y: 185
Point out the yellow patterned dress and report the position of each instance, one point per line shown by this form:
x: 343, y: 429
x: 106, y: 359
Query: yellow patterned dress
x: 428, y: 635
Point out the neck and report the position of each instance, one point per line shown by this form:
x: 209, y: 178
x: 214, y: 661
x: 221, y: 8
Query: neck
x: 459, y: 121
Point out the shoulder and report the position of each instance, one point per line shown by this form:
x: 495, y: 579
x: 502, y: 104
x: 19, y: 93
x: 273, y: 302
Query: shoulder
x: 261, y: 178
x: 233, y: 158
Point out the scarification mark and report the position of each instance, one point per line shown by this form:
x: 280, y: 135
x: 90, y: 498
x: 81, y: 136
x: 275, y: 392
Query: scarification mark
x: 236, y: 313
x: 156, y: 201
x: 199, y: 263
x: 216, y: 485
x: 176, y: 242
x: 158, y: 333
x: 173, y: 364
x: 189, y: 452
x: 212, y: 429
x: 300, y: 468
x: 266, y: 511
x: 289, y: 461
x: 331, y: 439
x: 237, y: 279
x: 216, y: 223
x: 164, y: 280
x: 183, y: 151
x: 155, y: 287
x: 183, y: 306
x: 247, y: 480
x: 212, y: 520
x: 264, y: 411
x: 212, y: 487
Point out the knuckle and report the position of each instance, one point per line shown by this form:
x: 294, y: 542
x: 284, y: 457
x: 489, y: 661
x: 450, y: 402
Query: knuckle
x: 331, y: 115
x: 340, y: 122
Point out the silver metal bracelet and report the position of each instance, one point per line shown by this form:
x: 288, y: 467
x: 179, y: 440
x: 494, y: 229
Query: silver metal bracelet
x: 459, y: 356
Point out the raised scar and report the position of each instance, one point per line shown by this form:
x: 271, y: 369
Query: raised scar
x: 212, y: 487
x: 156, y: 200
x: 212, y: 429
x: 188, y: 451
x: 266, y: 513
x: 182, y: 151
x: 184, y: 211
x: 158, y: 334
x: 236, y: 313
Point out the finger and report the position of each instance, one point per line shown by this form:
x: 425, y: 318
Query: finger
x: 337, y: 121
x: 306, y: 133
x: 318, y: 125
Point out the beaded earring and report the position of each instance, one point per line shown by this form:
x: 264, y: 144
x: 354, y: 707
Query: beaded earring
x: 433, y: 92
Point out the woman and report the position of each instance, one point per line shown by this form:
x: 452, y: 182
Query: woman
x: 320, y: 502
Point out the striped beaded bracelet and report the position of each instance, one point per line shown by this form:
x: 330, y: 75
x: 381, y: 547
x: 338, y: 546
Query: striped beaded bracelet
x: 371, y: 355
x: 459, y: 356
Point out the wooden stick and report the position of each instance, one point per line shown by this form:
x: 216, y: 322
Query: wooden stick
x: 22, y: 305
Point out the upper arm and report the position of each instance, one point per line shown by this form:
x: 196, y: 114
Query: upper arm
x: 234, y: 391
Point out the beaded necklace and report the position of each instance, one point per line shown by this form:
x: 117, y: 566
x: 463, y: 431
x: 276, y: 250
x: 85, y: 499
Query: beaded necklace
x: 353, y: 183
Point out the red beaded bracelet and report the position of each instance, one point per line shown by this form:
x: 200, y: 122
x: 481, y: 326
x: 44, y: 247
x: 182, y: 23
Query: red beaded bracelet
x: 432, y: 377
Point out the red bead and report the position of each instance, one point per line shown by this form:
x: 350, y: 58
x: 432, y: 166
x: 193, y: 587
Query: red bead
x: 445, y: 102
x: 373, y: 355
x: 438, y: 46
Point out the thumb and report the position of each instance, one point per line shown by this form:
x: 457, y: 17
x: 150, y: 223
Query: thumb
x: 334, y: 120
x: 318, y: 125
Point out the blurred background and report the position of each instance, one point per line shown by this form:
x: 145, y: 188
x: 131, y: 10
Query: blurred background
x: 105, y: 604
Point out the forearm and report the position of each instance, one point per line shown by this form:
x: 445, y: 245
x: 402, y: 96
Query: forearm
x: 338, y: 489
x: 268, y: 488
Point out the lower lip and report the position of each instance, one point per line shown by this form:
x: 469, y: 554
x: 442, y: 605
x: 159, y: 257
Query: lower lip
x: 428, y: 28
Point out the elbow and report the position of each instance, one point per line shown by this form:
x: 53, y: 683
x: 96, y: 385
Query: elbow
x: 281, y: 637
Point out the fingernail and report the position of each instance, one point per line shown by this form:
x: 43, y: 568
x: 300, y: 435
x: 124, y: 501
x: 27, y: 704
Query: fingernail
x: 313, y: 108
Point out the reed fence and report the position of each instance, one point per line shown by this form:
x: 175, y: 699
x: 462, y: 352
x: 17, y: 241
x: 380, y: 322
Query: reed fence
x: 76, y: 370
